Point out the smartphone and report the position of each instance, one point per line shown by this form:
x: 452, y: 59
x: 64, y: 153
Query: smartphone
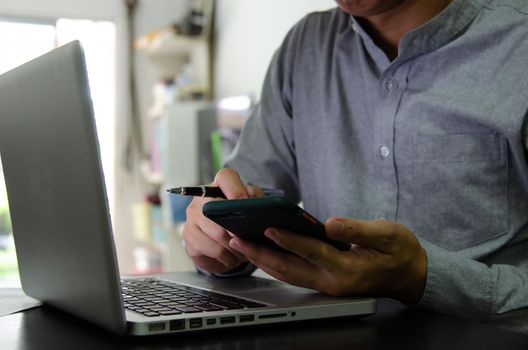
x: 249, y: 218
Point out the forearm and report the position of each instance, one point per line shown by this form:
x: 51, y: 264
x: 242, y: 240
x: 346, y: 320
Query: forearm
x: 458, y: 285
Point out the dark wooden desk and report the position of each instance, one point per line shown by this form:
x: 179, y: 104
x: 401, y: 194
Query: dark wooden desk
x: 393, y: 327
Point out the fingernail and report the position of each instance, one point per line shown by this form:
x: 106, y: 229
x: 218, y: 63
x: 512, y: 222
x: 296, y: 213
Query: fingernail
x: 234, y: 244
x: 272, y: 234
x: 339, y: 226
x: 250, y: 191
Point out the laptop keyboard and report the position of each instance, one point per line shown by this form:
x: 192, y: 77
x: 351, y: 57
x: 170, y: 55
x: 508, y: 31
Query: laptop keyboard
x: 153, y: 297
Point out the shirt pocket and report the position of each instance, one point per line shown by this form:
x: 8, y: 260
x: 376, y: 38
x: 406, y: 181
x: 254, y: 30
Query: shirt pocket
x: 459, y: 188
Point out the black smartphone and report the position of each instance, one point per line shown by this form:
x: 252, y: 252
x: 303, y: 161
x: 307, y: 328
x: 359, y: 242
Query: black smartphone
x: 249, y: 218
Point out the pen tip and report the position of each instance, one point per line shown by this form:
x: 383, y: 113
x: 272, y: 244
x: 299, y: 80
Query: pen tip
x: 175, y: 190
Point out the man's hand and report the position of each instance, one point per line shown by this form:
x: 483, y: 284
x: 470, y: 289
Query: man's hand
x: 385, y: 260
x: 206, y: 242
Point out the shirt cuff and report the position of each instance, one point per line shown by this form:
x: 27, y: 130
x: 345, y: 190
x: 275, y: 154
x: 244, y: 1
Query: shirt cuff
x: 456, y: 284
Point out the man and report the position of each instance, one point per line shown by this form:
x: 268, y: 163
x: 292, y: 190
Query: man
x: 401, y: 123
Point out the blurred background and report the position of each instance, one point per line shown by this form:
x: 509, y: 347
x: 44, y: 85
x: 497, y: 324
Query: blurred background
x: 172, y: 84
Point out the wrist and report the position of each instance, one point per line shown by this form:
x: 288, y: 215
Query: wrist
x: 414, y: 280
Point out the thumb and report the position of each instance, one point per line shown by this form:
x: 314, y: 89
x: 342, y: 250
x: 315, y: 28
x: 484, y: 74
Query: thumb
x: 379, y: 234
x: 230, y: 183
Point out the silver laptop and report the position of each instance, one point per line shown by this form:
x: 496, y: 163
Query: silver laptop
x: 62, y: 230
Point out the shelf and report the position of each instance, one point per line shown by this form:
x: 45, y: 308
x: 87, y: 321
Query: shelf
x: 166, y: 45
x: 182, y: 65
x: 151, y: 177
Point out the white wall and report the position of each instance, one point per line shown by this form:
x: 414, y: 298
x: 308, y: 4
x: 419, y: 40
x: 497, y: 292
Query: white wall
x: 248, y: 33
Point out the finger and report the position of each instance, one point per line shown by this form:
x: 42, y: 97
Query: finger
x: 281, y: 265
x: 211, y: 265
x: 207, y: 226
x: 230, y: 183
x: 199, y: 244
x: 311, y: 249
x: 205, y: 262
x: 377, y: 234
x: 219, y: 234
x: 253, y: 191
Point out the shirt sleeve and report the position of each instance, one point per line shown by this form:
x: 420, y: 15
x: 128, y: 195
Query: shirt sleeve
x: 494, y: 293
x: 265, y: 154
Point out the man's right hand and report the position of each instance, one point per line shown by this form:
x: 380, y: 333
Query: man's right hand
x: 207, y: 243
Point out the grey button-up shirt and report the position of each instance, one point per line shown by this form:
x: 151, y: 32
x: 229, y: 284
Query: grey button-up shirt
x: 434, y: 139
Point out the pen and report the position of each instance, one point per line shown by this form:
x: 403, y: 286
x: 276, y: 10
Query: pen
x: 215, y: 192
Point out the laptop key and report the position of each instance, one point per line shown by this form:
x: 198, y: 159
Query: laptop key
x: 157, y: 300
x: 142, y: 303
x: 174, y: 305
x: 150, y: 314
x: 170, y: 312
x: 188, y: 309
x: 209, y: 307
x: 150, y: 297
x: 159, y: 309
x: 141, y: 310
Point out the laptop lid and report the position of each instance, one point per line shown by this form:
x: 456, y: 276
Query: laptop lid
x: 50, y: 155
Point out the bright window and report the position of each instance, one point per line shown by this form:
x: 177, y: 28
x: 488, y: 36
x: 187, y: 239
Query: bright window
x: 22, y: 40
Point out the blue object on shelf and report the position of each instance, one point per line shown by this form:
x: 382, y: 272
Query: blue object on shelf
x: 158, y: 232
x: 178, y: 206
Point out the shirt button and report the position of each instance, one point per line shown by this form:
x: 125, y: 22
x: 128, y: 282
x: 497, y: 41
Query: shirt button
x: 391, y: 84
x: 384, y: 151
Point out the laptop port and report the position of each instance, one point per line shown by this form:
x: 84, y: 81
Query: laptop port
x: 227, y: 319
x: 195, y: 323
x: 263, y: 317
x: 210, y: 321
x: 246, y: 318
x: 177, y: 325
x: 156, y: 327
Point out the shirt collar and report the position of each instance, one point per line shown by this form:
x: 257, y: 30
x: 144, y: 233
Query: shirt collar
x: 438, y: 31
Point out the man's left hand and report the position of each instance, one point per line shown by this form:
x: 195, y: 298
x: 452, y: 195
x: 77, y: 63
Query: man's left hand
x: 385, y: 259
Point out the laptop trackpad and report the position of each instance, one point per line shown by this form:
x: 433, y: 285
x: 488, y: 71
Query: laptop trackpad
x: 257, y: 288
